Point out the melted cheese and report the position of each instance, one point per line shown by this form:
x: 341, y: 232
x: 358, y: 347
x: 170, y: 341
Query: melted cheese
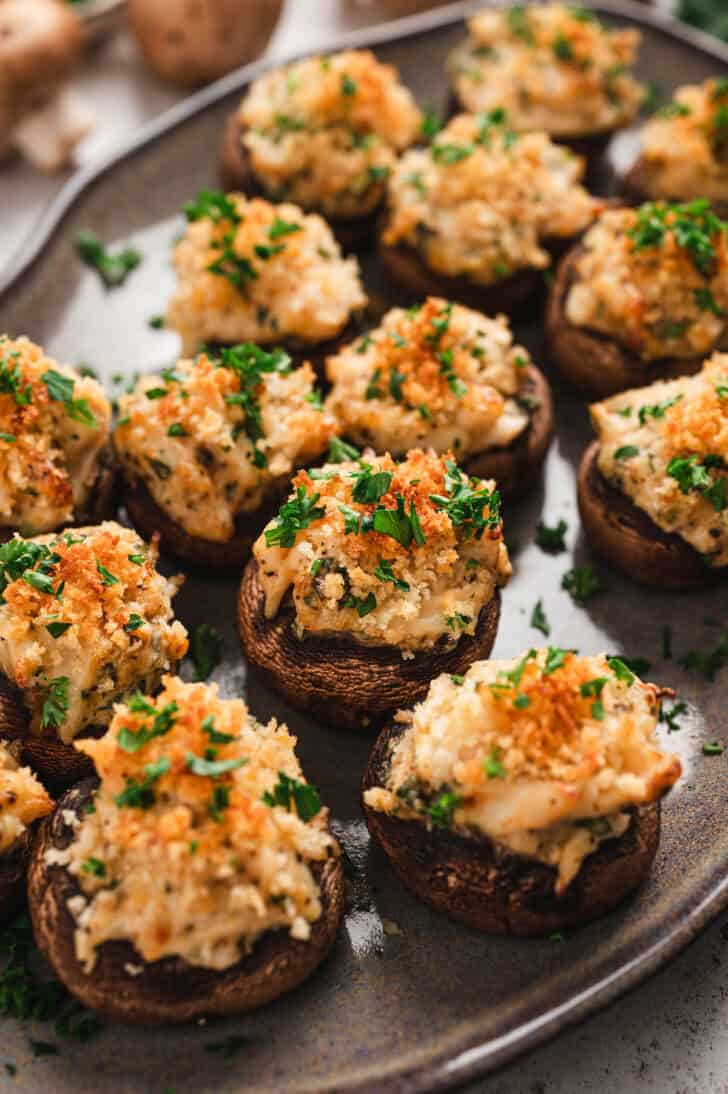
x: 439, y: 375
x: 551, y: 68
x: 534, y: 757
x: 23, y: 799
x: 201, y: 866
x: 208, y: 470
x: 325, y: 132
x: 303, y: 290
x: 101, y: 581
x: 685, y: 145
x: 480, y: 201
x: 49, y: 447
x: 369, y: 585
x: 643, y: 431
x: 651, y: 299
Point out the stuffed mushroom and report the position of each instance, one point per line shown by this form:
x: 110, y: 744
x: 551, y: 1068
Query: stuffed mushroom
x: 324, y: 133
x: 554, y: 68
x: 251, y: 271
x: 85, y: 618
x: 56, y: 466
x: 653, y: 490
x: 208, y: 449
x: 375, y: 576
x: 477, y: 215
x: 196, y: 875
x: 522, y: 797
x: 23, y: 801
x: 644, y: 295
x: 442, y: 376
x: 684, y: 153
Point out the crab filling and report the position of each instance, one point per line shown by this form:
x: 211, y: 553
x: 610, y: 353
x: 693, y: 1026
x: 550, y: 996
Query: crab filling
x: 400, y: 554
x: 545, y: 756
x: 202, y: 834
x: 439, y: 375
x: 22, y: 799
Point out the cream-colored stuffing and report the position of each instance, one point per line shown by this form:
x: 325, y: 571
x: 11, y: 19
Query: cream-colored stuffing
x: 23, y: 799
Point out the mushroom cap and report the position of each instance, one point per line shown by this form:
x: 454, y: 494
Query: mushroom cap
x: 40, y: 42
x: 193, y: 43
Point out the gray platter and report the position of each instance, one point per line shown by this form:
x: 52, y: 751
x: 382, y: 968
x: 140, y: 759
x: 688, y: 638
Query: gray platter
x: 407, y: 1001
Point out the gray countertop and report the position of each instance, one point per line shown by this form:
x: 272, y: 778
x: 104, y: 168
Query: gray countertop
x: 670, y: 1036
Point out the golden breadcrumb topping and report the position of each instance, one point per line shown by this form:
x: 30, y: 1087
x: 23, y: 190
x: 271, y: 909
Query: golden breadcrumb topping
x: 216, y: 436
x: 534, y: 752
x: 203, y: 832
x: 553, y: 67
x: 250, y: 271
x: 400, y: 554
x: 53, y: 425
x: 324, y: 132
x: 666, y: 447
x: 23, y: 799
x: 437, y: 374
x: 480, y: 201
x: 655, y: 279
x: 84, y: 618
x: 685, y: 145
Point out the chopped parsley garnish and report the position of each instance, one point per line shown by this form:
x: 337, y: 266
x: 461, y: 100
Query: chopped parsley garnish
x: 211, y: 205
x: 519, y: 24
x: 60, y: 389
x: 294, y: 515
x: 691, y: 474
x: 551, y: 539
x: 176, y: 429
x: 155, y: 392
x: 56, y: 628
x: 626, y: 452
x: 11, y: 378
x: 707, y: 302
x: 492, y: 765
x: 206, y: 645
x: 9, y: 438
x: 457, y: 680
x: 555, y: 658
x: 582, y: 583
x: 384, y: 572
x: 431, y: 124
x: 562, y: 48
x: 657, y: 410
x: 447, y: 369
x: 592, y: 689
x: 216, y: 738
x: 132, y: 740
x: 621, y: 670
x: 107, y: 578
x: 362, y: 605
x: 156, y: 322
x: 56, y: 703
x: 465, y: 503
x: 458, y: 621
x: 348, y: 86
x: 113, y: 269
x: 539, y: 620
x: 442, y: 808
x: 212, y: 768
x: 693, y: 226
x: 33, y: 562
x: 370, y: 486
x: 674, y: 110
x: 289, y: 792
x: 95, y: 867
x: 280, y: 228
x: 220, y: 800
x: 340, y: 451
x: 250, y: 364
x: 134, y: 622
x: 140, y: 795
x: 449, y: 154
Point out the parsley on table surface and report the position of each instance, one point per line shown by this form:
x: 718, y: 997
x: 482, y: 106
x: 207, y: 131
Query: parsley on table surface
x: 206, y: 645
x: 229, y: 1045
x: 670, y: 717
x: 582, y: 583
x: 714, y: 748
x: 539, y: 620
x: 289, y: 792
x: 113, y: 269
x: 551, y: 539
x: 709, y: 662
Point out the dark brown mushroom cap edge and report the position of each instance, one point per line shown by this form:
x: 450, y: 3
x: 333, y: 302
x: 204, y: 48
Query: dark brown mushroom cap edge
x: 626, y: 536
x: 635, y: 190
x: 339, y: 680
x: 596, y: 365
x: 236, y: 173
x: 13, y: 868
x: 169, y: 990
x: 102, y: 500
x: 474, y: 881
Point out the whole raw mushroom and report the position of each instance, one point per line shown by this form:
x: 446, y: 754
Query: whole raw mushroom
x: 40, y: 44
x: 192, y: 42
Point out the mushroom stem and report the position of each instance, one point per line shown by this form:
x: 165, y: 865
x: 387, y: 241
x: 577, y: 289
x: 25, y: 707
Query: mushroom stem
x: 49, y: 135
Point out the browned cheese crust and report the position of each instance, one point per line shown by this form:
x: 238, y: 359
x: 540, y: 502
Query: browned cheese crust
x: 236, y: 173
x: 595, y: 364
x: 169, y: 990
x: 627, y: 537
x: 342, y: 682
x: 473, y: 881
x: 516, y: 467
